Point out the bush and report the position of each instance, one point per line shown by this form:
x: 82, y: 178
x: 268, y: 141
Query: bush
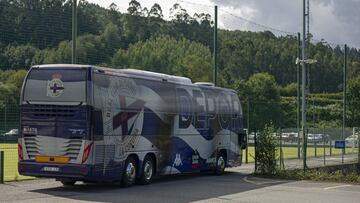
x: 319, y: 175
x: 266, y: 151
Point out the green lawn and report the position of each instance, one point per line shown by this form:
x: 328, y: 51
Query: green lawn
x: 291, y: 152
x: 11, y: 163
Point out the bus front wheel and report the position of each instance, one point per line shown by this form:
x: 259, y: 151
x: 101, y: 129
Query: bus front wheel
x: 130, y: 172
x: 147, y: 171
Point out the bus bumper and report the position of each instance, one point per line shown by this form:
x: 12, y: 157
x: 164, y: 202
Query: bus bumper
x: 54, y: 170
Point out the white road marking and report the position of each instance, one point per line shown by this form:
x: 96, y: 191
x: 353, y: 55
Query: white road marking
x: 335, y: 187
x: 262, y: 182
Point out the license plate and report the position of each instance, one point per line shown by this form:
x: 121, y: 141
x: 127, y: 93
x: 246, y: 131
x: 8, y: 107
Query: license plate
x: 52, y: 159
x: 51, y: 169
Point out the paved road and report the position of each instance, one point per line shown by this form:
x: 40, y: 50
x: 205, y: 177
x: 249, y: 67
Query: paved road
x: 235, y: 186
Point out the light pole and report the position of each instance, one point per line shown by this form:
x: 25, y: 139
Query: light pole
x: 74, y: 31
x: 344, y: 103
x: 298, y: 94
x: 303, y: 62
x: 215, y: 47
x: 303, y: 103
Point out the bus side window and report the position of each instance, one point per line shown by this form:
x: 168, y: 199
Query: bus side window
x: 199, y: 109
x: 236, y: 112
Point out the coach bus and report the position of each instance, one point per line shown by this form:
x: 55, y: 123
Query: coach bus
x: 91, y: 124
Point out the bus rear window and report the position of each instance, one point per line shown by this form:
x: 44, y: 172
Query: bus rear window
x: 58, y: 85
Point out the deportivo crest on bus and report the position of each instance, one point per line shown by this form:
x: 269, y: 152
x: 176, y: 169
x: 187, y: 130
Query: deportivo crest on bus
x: 55, y: 87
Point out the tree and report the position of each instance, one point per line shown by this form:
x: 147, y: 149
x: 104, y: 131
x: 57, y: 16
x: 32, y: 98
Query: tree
x: 61, y: 54
x: 354, y: 102
x: 156, y: 11
x: 179, y: 15
x: 20, y: 57
x: 113, y: 13
x: 167, y: 55
x: 262, y: 91
x: 134, y: 8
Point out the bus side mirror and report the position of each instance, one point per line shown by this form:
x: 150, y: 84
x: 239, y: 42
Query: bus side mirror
x: 242, y: 140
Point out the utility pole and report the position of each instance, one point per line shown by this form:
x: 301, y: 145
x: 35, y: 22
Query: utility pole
x: 344, y: 102
x: 303, y: 113
x: 215, y: 47
x: 74, y: 31
x: 298, y: 94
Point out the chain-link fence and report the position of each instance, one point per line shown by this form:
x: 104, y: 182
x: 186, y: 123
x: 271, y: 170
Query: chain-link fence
x: 9, y: 122
x: 179, y: 44
x: 321, y: 147
x: 321, y: 138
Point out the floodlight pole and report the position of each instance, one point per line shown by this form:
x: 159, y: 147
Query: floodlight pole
x: 215, y: 47
x: 344, y: 102
x: 298, y: 94
x: 74, y: 31
x: 303, y: 113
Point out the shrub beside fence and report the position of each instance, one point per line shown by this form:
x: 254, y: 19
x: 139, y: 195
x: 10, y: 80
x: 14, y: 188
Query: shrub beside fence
x: 320, y: 148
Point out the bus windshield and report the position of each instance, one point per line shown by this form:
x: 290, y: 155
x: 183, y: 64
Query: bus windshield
x: 55, y: 85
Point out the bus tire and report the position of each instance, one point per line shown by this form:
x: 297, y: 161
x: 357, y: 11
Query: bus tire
x: 220, y: 164
x: 68, y: 182
x: 130, y: 171
x: 147, y: 171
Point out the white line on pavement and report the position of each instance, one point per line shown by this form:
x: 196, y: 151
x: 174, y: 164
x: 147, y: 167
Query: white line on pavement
x: 259, y: 182
x: 335, y: 187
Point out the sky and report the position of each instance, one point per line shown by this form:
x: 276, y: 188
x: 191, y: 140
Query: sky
x: 335, y: 21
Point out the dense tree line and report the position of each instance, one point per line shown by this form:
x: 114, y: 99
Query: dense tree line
x: 260, y: 65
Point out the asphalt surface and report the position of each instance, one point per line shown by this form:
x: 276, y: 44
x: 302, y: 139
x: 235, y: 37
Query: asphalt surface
x: 234, y: 186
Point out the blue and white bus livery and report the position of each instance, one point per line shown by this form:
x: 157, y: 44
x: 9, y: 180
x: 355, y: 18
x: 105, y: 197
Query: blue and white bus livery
x: 86, y: 123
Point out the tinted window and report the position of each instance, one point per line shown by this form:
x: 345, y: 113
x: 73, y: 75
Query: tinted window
x: 58, y: 85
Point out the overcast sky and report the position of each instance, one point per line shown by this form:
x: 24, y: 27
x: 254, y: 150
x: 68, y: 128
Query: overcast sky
x: 335, y: 21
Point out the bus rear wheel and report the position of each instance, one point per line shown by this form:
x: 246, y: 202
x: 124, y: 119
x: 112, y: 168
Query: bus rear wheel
x: 147, y: 171
x: 68, y: 182
x: 130, y: 172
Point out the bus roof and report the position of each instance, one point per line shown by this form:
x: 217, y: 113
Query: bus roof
x: 137, y: 73
x: 62, y: 66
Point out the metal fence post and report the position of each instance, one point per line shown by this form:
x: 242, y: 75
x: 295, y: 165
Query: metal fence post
x: 324, y: 140
x: 358, y: 143
x: 330, y: 146
x: 248, y: 131
x: 247, y: 147
x: 2, y: 167
x: 5, y: 117
x: 282, y: 165
x: 315, y: 148
x: 255, y: 150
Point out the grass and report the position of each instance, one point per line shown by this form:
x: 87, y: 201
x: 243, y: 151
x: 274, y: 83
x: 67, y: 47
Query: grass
x: 292, y: 152
x: 11, y: 163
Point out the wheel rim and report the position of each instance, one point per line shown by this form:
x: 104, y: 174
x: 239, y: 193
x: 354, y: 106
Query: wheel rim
x: 148, y: 170
x: 130, y: 172
x: 221, y: 163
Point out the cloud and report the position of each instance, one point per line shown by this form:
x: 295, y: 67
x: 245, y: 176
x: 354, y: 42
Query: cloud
x: 336, y: 21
